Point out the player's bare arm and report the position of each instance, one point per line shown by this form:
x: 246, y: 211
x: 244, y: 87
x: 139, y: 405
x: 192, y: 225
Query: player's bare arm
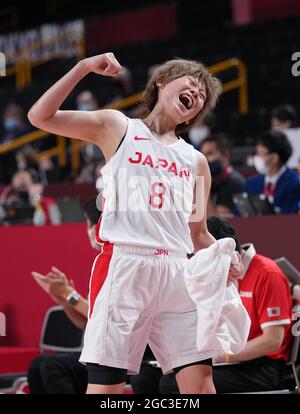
x: 104, y: 128
x: 200, y: 235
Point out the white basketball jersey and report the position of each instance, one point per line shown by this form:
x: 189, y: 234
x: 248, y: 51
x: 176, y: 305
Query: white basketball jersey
x: 148, y: 192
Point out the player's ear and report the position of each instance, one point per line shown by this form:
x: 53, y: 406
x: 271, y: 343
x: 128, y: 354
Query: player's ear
x: 159, y: 84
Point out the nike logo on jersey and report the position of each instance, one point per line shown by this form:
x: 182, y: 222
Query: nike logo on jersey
x: 171, y: 167
x: 136, y: 138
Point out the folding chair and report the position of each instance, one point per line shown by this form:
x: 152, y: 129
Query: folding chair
x: 58, y: 334
x: 292, y: 362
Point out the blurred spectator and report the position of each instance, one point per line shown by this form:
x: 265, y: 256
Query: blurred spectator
x: 284, y: 118
x: 63, y: 373
x: 27, y: 159
x: 122, y: 85
x: 90, y: 153
x: 140, y: 110
x: 26, y: 188
x: 13, y: 123
x: 47, y: 169
x: 201, y: 129
x: 123, y: 88
x: 275, y: 180
x: 225, y: 180
x: 265, y: 293
x: 14, y: 126
x: 86, y: 101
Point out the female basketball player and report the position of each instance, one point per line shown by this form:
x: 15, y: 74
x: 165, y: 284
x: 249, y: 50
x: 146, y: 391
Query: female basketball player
x: 149, y: 186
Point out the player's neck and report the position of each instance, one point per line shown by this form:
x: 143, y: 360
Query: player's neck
x: 160, y: 124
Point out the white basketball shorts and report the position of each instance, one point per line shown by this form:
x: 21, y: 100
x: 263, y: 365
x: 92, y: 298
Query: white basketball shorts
x: 143, y: 299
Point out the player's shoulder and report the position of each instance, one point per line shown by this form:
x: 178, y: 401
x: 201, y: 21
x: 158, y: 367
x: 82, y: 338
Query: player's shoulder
x: 112, y: 122
x: 200, y: 159
x: 112, y: 114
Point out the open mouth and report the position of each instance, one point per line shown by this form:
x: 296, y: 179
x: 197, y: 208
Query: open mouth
x: 186, y: 100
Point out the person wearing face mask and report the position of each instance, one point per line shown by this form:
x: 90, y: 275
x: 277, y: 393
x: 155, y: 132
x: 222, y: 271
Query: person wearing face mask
x: 63, y: 373
x: 13, y: 123
x: 85, y: 101
x: 225, y: 180
x: 13, y: 126
x: 201, y: 129
x: 90, y: 154
x: 275, y: 180
x: 26, y: 188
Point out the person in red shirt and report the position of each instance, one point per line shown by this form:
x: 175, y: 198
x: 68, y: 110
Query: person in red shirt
x: 265, y: 293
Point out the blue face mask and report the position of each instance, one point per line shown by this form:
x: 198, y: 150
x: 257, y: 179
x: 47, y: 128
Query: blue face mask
x: 85, y: 107
x: 10, y: 124
x: 215, y: 168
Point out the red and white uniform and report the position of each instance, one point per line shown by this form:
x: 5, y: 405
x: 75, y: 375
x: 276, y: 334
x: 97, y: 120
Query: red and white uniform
x: 148, y: 191
x: 99, y: 269
x: 265, y: 294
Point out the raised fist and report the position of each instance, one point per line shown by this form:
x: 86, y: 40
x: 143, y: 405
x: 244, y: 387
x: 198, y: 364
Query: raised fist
x: 105, y: 64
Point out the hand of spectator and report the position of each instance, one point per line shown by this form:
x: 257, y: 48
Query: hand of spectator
x: 35, y: 193
x: 21, y: 179
x: 55, y: 283
x: 43, y: 282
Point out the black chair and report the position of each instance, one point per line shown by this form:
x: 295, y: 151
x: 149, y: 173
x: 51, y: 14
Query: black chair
x: 292, y: 377
x: 250, y: 205
x: 59, y: 333
x: 290, y: 271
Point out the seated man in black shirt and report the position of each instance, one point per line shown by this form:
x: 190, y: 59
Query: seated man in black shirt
x: 225, y: 180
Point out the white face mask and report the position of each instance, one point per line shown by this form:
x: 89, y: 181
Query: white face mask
x: 92, y: 238
x: 197, y: 135
x: 85, y: 106
x: 260, y: 165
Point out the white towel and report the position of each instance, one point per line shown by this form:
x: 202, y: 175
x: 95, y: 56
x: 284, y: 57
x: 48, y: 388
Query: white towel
x: 223, y: 322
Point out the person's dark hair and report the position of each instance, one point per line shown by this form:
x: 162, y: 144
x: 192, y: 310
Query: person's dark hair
x: 91, y: 211
x: 221, y: 228
x: 285, y: 113
x: 34, y: 174
x: 220, y: 139
x: 276, y: 142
